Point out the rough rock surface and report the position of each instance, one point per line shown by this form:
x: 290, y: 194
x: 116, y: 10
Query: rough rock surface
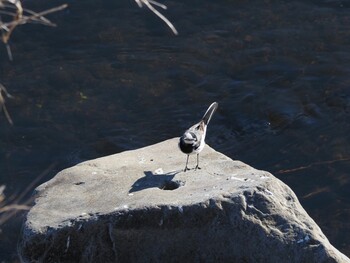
x: 138, y: 206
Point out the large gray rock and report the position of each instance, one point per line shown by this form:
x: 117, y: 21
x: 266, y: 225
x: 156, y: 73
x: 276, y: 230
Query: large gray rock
x: 138, y: 206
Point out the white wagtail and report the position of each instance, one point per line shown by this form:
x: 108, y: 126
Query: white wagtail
x: 193, y: 140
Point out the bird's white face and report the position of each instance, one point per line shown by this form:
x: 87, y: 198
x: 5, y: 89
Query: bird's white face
x: 189, y: 138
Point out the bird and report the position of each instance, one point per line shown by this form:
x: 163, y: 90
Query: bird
x: 193, y: 140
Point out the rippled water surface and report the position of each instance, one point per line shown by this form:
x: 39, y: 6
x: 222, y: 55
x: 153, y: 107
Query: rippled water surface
x: 112, y: 77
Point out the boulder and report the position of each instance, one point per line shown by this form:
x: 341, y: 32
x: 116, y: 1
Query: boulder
x: 139, y: 206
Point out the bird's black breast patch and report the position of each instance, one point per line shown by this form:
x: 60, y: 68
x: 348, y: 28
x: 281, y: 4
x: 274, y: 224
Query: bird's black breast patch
x: 185, y: 147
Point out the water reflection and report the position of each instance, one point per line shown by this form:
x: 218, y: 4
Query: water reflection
x: 112, y: 77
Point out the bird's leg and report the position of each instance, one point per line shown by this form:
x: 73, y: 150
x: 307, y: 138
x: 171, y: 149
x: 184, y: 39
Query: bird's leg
x: 197, y: 166
x: 186, y: 168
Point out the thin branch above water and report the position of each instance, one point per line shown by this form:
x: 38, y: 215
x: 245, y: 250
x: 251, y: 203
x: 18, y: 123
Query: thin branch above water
x: 2, y: 102
x: 15, y: 15
x: 149, y: 4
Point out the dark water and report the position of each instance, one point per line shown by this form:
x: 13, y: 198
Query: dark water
x: 112, y: 77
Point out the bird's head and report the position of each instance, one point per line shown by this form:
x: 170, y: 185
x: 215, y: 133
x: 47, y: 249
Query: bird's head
x: 189, y: 137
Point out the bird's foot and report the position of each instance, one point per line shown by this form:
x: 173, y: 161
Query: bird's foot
x: 197, y: 167
x: 186, y: 169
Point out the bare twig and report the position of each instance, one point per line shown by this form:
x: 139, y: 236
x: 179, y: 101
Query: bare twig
x: 149, y: 3
x: 16, y: 15
x: 8, y: 207
x: 20, y: 16
x: 2, y: 195
x: 2, y: 103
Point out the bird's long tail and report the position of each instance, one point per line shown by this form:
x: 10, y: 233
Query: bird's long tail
x: 209, y: 113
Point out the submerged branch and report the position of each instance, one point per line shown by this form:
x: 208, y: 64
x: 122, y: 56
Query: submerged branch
x: 9, y: 206
x: 311, y: 165
x: 14, y: 207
